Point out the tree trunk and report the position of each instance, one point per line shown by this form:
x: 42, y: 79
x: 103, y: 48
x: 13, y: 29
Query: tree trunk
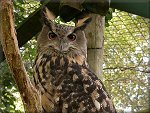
x: 30, y: 96
x: 95, y: 36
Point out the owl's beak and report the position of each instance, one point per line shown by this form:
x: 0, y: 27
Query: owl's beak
x: 63, y: 46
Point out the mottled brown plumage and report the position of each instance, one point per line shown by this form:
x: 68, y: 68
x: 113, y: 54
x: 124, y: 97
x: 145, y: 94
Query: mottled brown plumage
x: 61, y: 72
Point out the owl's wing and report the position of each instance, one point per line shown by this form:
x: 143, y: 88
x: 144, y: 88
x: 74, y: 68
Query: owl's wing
x: 95, y: 88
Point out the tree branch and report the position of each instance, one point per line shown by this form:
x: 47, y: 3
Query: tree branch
x: 127, y: 68
x: 29, y: 94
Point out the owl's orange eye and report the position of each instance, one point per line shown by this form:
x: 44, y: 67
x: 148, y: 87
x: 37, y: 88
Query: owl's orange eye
x: 72, y: 37
x: 52, y: 35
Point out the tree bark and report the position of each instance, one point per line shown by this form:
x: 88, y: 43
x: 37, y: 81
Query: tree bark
x: 30, y: 96
x: 95, y: 36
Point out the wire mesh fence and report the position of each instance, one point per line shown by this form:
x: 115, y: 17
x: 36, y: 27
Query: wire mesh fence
x: 126, y: 57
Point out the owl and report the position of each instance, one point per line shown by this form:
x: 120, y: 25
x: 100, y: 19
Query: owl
x: 61, y: 73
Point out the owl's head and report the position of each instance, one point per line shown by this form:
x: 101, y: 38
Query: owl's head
x: 62, y: 38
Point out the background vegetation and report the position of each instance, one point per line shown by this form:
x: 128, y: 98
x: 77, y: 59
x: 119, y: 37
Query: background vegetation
x: 125, y: 67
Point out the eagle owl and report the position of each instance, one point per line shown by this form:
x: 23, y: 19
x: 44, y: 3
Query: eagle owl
x: 61, y: 72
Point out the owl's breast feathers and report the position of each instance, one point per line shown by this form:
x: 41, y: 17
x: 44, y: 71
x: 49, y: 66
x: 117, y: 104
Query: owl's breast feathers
x: 67, y: 85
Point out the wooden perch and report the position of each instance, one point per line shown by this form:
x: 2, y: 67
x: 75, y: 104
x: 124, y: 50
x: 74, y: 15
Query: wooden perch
x: 30, y: 96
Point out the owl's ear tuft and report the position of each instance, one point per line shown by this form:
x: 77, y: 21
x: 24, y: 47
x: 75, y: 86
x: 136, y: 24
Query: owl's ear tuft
x: 82, y: 23
x: 47, y: 16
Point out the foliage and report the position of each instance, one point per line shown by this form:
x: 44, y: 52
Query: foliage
x: 109, y: 16
x: 7, y: 89
x: 28, y: 52
x: 22, y: 9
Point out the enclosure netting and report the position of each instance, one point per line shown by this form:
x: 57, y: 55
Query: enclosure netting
x: 126, y: 56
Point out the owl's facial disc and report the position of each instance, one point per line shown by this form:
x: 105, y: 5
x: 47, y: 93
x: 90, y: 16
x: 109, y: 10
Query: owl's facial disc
x: 62, y: 43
